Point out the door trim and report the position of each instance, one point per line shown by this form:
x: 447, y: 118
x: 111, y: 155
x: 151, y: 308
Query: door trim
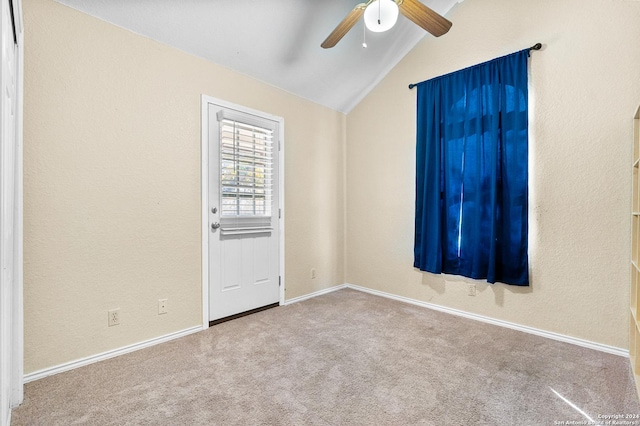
x: 204, y: 195
x: 17, y: 370
x: 11, y: 318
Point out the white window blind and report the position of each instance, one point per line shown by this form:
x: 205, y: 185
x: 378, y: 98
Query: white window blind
x: 246, y: 173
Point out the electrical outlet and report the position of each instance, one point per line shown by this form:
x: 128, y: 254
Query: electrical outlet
x: 163, y: 306
x: 114, y: 317
x: 471, y: 290
x: 313, y: 273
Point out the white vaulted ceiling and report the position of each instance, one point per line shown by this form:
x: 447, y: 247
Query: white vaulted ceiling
x: 275, y: 41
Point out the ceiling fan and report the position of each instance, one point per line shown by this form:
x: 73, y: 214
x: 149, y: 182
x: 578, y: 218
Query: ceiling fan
x: 381, y: 15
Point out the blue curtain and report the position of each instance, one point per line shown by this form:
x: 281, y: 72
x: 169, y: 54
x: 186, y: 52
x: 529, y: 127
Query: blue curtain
x: 471, y: 172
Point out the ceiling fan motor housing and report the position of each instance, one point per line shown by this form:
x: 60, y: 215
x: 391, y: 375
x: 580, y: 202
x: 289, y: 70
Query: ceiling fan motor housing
x: 381, y: 15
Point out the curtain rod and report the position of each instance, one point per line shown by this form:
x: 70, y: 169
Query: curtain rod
x: 536, y: 46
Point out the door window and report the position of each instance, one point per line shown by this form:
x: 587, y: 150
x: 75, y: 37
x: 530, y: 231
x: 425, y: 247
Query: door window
x: 246, y: 171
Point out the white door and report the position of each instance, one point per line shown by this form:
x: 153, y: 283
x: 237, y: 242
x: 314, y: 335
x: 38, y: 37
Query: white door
x: 243, y: 212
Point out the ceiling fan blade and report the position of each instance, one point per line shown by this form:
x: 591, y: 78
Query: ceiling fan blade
x: 424, y: 17
x: 343, y: 27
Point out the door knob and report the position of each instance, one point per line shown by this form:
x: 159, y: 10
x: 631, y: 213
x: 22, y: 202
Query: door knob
x: 214, y: 226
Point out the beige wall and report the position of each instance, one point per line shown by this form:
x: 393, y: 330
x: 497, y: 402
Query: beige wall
x: 112, y: 184
x: 585, y: 88
x: 112, y: 181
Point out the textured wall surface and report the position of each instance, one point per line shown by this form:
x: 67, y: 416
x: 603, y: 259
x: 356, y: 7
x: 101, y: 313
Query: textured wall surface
x: 112, y: 181
x: 112, y: 184
x: 585, y: 88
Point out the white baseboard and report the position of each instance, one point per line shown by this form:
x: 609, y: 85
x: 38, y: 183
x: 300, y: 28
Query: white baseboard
x: 548, y: 334
x: 315, y: 294
x: 108, y: 354
x: 155, y: 341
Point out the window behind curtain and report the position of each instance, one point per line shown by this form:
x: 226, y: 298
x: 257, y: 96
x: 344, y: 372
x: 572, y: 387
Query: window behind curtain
x: 471, y: 175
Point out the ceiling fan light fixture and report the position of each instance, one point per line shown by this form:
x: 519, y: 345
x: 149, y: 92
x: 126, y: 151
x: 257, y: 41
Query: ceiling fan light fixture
x: 381, y: 15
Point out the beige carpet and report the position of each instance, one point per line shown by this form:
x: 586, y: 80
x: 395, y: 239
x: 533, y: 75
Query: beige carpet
x: 345, y: 358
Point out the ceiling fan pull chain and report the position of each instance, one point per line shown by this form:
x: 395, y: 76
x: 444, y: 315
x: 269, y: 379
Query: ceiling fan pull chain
x: 379, y: 11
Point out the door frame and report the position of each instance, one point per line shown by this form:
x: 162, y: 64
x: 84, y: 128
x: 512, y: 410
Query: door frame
x: 13, y: 355
x: 17, y: 380
x: 11, y: 316
x: 204, y: 195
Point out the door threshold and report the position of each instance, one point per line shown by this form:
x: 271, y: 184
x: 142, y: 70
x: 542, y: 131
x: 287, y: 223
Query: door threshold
x: 243, y: 314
